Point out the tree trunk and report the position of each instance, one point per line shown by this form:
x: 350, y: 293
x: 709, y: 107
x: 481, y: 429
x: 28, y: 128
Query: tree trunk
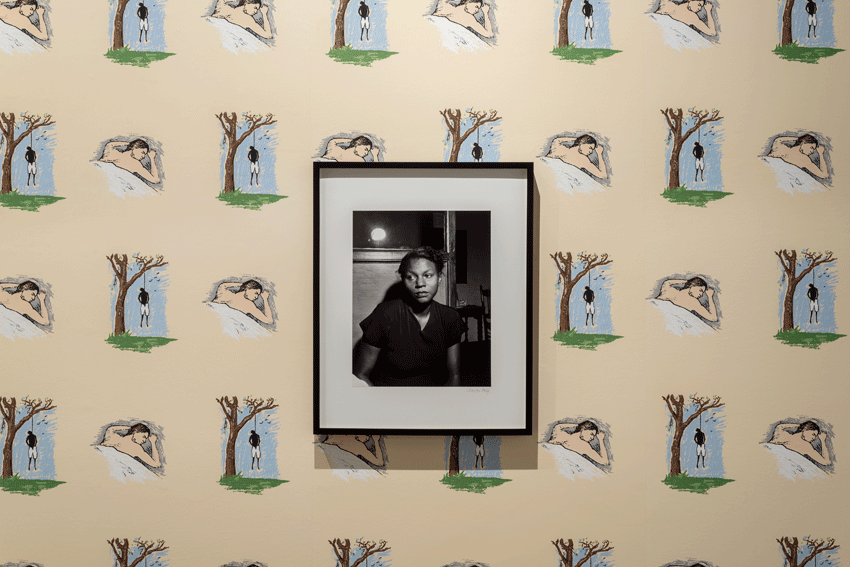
x: 787, y: 36
x: 674, y: 163
x: 564, y: 320
x: 229, y: 177
x: 788, y: 305
x: 455, y: 153
x: 7, y: 452
x: 454, y: 456
x: 118, y: 25
x: 119, y: 327
x: 339, y: 25
x: 563, y: 24
x: 676, y: 450
x: 6, y: 182
x: 230, y: 451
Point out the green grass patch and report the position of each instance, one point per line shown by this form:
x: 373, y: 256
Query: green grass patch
x: 586, y: 341
x: 252, y: 201
x: 362, y: 57
x: 477, y: 484
x: 126, y: 341
x: 127, y: 56
x: 683, y: 196
x: 698, y: 485
x: 28, y: 486
x: 15, y: 200
x: 249, y: 485
x: 796, y: 337
x: 586, y: 55
x: 796, y: 52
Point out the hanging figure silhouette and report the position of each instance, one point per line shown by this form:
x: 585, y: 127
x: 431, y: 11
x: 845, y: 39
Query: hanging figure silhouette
x: 254, y: 441
x: 363, y: 11
x: 699, y: 164
x: 812, y: 294
x: 143, y: 13
x: 32, y: 442
x: 479, y: 449
x: 699, y: 439
x: 30, y: 156
x: 812, y: 10
x: 477, y: 152
x: 144, y: 301
x: 254, y: 158
x: 587, y: 10
x: 590, y: 305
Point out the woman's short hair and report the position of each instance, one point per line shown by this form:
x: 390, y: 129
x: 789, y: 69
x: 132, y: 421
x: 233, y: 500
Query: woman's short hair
x: 27, y: 286
x: 808, y: 426
x: 584, y: 139
x: 19, y: 3
x: 695, y: 282
x: 806, y: 139
x: 137, y: 143
x: 251, y: 284
x: 139, y: 428
x: 438, y: 257
x: 360, y: 141
x: 586, y: 424
x: 244, y: 2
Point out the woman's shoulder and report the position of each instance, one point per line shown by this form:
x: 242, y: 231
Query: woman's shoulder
x: 446, y: 312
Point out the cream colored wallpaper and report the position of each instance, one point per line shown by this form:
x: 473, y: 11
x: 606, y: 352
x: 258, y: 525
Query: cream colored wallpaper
x: 173, y: 103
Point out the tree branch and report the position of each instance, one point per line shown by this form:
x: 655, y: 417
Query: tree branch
x: 35, y: 122
x: 257, y: 407
x: 589, y: 260
x: 703, y: 117
x: 35, y: 407
x: 669, y: 121
x: 704, y: 405
x: 334, y: 543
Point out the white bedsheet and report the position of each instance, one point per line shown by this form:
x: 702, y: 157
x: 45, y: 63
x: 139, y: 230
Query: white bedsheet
x: 236, y: 324
x: 572, y: 465
x: 791, y: 178
x: 122, y: 183
x: 793, y: 465
x: 236, y: 38
x: 348, y: 466
x: 571, y: 179
x: 13, y: 40
x: 680, y: 321
x: 456, y: 37
x: 678, y: 35
x: 123, y: 467
x: 13, y: 325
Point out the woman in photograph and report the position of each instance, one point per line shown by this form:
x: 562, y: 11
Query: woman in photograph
x: 413, y: 340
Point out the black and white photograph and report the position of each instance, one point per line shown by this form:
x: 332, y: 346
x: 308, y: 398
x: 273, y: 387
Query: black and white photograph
x: 421, y: 298
x: 423, y: 301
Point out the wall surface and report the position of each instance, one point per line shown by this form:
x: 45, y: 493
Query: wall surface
x: 398, y: 101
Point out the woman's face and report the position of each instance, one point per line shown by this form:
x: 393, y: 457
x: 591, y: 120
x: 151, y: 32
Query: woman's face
x: 472, y: 7
x: 251, y: 9
x: 140, y: 437
x: 809, y: 435
x: 252, y: 294
x: 586, y: 149
x: 587, y: 435
x: 138, y: 153
x: 27, y: 10
x: 28, y: 295
x: 696, y: 291
x: 696, y: 5
x: 362, y: 150
x: 807, y: 149
x: 422, y: 280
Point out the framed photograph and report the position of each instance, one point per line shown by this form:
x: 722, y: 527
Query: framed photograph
x: 422, y: 300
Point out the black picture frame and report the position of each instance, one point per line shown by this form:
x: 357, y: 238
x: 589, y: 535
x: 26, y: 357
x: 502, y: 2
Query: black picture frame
x: 339, y: 189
